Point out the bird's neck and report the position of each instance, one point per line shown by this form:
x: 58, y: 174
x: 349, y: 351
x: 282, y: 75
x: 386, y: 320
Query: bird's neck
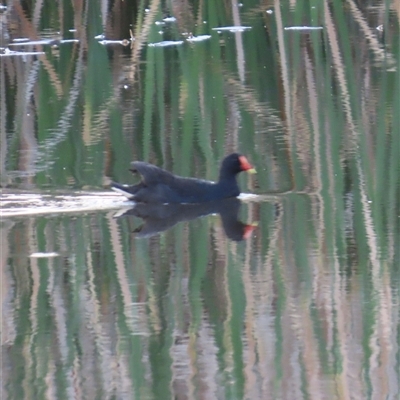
x: 229, y: 184
x: 226, y: 177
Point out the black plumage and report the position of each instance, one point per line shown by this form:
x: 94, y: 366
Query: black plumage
x: 159, y: 186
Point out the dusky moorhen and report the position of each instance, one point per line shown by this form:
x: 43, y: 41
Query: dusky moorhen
x: 160, y: 186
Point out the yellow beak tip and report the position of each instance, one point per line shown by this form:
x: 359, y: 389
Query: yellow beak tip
x: 252, y: 171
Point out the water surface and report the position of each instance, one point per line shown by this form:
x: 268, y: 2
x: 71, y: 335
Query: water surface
x: 289, y: 294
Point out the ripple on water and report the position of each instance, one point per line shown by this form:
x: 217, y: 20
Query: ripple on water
x: 22, y: 204
x: 166, y: 43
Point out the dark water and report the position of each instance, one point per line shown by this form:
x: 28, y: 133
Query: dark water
x: 101, y: 299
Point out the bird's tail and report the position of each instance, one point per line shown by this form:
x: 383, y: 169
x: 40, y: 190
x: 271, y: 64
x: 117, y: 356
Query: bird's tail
x: 126, y: 190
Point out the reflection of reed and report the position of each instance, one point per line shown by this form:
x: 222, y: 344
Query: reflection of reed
x: 142, y: 29
x: 264, y: 112
x: 377, y: 377
x: 308, y: 307
x: 3, y: 136
x: 33, y: 352
x: 258, y: 288
x: 29, y: 28
x: 278, y: 339
x: 382, y: 54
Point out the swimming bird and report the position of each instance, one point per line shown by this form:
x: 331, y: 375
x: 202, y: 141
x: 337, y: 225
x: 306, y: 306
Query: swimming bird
x: 159, y: 186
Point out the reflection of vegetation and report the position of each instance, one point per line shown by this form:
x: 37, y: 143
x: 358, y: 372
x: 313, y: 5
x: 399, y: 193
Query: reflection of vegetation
x: 313, y: 297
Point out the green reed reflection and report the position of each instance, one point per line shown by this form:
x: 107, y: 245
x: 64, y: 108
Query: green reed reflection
x: 308, y: 306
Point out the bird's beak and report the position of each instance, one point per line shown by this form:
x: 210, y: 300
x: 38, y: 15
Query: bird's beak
x: 246, y: 166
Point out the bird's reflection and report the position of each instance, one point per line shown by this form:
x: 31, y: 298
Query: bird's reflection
x: 161, y: 217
